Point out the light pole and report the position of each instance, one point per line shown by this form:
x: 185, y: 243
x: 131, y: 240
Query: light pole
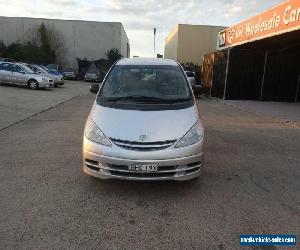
x: 154, y: 41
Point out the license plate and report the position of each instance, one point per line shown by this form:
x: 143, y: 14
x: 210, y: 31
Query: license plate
x: 143, y: 168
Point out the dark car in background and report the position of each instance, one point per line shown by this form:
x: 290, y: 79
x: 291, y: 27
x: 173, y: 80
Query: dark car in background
x: 93, y: 75
x: 69, y: 74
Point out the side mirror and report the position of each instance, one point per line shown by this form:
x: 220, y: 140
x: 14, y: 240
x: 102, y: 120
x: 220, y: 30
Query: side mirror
x: 196, y: 89
x: 22, y: 72
x: 94, y: 88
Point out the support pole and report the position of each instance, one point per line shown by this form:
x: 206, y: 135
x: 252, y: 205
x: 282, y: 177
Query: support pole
x: 263, y: 78
x: 226, y: 75
x: 154, y: 42
x: 297, y: 91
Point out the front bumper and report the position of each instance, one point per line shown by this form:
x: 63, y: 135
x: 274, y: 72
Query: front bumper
x: 44, y: 84
x: 59, y: 81
x: 176, y: 167
x: 69, y: 77
x: 91, y: 79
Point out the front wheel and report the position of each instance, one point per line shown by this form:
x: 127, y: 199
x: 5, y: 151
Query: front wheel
x: 33, y: 84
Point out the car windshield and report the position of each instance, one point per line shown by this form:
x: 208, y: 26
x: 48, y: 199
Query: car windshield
x: 27, y: 69
x: 42, y: 69
x: 92, y: 71
x: 45, y: 68
x: 164, y: 83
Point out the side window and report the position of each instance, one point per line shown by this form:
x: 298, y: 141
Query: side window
x: 16, y: 68
x: 1, y: 66
x: 6, y: 66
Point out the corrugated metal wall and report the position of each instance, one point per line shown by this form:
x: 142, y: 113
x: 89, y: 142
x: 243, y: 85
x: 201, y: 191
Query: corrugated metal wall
x: 254, y: 74
x: 282, y: 75
x: 245, y: 74
x: 219, y: 73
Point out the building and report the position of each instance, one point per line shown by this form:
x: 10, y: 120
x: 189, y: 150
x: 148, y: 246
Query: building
x: 258, y: 59
x: 82, y: 39
x: 189, y: 43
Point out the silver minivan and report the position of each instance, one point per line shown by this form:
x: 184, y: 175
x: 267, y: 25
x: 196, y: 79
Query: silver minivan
x: 18, y: 73
x: 144, y: 124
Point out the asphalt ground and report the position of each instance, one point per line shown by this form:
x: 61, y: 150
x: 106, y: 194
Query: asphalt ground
x: 250, y: 183
x: 19, y: 102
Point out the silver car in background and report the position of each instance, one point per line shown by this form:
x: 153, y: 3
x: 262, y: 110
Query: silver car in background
x: 57, y: 80
x: 58, y: 77
x: 18, y: 73
x: 144, y: 124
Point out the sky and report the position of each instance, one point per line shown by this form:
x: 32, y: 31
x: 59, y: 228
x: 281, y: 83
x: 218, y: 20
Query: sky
x: 140, y: 17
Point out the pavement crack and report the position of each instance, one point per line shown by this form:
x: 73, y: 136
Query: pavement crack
x: 42, y: 111
x: 257, y: 184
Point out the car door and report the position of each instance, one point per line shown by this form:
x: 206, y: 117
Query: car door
x: 19, y: 75
x: 6, y: 72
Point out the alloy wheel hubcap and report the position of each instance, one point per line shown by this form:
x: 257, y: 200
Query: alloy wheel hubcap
x: 32, y: 84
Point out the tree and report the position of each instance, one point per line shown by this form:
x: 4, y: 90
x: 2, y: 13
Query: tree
x: 46, y: 50
x: 113, y: 55
x: 2, y: 49
x: 43, y: 45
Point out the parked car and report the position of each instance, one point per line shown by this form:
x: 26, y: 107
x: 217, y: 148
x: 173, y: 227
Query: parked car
x: 54, y: 67
x: 59, y: 76
x: 17, y: 73
x: 69, y: 74
x: 144, y: 124
x: 41, y: 71
x: 93, y: 75
x: 37, y: 70
x: 191, y: 77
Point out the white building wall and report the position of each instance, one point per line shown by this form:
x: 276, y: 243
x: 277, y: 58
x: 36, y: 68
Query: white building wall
x: 83, y: 39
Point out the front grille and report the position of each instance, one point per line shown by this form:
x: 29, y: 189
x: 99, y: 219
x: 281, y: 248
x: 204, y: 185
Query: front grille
x: 143, y: 146
x: 162, y: 171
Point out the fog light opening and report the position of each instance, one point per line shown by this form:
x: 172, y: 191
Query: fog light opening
x: 181, y: 167
x: 180, y: 173
x: 104, y: 171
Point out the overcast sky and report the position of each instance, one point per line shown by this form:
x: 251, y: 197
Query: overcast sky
x: 139, y: 17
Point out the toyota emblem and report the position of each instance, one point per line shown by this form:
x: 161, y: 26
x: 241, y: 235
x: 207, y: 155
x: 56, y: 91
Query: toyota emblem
x: 143, y: 137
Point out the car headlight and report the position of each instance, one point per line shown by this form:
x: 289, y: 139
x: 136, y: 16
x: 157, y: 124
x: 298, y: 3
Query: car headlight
x: 194, y: 135
x: 93, y: 133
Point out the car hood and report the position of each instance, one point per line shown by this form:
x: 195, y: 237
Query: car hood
x: 131, y: 124
x: 42, y: 75
x: 37, y: 76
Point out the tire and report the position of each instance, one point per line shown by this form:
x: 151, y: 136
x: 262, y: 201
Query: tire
x: 55, y: 85
x: 33, y: 84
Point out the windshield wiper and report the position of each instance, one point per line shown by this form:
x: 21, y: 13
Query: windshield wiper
x: 136, y: 98
x: 151, y: 99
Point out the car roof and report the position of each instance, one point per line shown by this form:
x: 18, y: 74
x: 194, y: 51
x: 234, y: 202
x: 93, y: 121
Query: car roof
x: 147, y: 61
x: 11, y: 63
